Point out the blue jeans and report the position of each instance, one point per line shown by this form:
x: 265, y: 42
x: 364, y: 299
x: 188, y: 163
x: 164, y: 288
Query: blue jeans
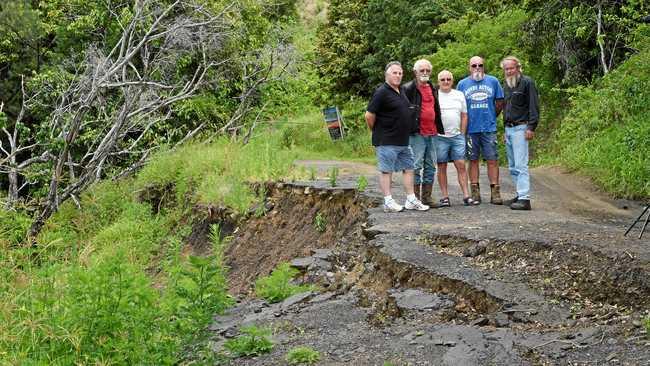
x: 450, y: 148
x: 482, y: 143
x: 391, y: 158
x: 424, y: 154
x: 517, y: 151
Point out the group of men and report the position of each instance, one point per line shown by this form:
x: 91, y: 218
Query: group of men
x: 419, y: 127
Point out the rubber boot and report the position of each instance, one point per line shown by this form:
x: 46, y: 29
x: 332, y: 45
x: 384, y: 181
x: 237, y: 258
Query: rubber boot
x: 495, y: 197
x: 416, y: 191
x: 427, y: 189
x: 476, y: 192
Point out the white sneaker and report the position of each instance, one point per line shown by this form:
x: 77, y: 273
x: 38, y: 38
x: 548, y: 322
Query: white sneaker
x: 392, y: 206
x: 415, y: 204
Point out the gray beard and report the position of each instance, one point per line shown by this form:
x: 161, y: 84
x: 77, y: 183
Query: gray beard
x: 478, y: 75
x: 512, y: 81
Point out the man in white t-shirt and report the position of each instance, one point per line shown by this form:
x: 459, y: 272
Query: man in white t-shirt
x: 450, y: 146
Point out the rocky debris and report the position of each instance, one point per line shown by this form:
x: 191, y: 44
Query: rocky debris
x: 476, y: 249
x: 501, y: 320
x: 324, y: 254
x: 311, y: 264
x: 418, y: 299
x: 296, y: 299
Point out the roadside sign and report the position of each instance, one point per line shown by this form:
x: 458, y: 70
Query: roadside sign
x: 334, y: 121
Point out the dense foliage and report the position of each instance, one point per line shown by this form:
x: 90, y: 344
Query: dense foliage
x: 606, y: 133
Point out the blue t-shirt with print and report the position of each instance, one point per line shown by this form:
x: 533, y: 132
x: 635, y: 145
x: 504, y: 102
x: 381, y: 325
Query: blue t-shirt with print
x: 481, y: 99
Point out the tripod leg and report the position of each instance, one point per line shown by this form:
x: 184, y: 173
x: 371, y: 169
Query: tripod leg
x: 637, y: 220
x: 647, y: 218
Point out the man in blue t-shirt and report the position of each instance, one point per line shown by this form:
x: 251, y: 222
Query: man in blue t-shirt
x: 484, y: 97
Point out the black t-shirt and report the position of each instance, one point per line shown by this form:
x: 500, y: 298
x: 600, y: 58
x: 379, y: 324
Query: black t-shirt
x: 394, y: 117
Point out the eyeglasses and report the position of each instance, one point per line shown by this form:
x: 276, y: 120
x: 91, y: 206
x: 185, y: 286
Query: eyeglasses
x: 445, y: 79
x: 424, y: 71
x: 475, y: 66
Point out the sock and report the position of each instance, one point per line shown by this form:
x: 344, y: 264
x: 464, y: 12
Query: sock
x: 411, y: 197
x: 388, y: 198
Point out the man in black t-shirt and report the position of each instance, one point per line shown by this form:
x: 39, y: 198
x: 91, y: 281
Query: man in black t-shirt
x: 390, y: 118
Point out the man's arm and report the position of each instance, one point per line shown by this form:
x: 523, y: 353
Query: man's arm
x: 463, y: 123
x: 499, y: 106
x: 370, y: 119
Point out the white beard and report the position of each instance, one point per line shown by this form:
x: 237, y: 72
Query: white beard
x: 512, y: 81
x: 423, y: 78
x: 478, y: 75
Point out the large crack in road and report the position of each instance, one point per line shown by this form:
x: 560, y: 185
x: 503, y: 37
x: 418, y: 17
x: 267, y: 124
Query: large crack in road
x: 461, y: 286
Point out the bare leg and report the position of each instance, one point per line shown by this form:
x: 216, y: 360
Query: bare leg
x: 385, y: 181
x: 493, y: 171
x: 442, y: 179
x: 473, y: 171
x: 462, y: 176
x: 409, y: 179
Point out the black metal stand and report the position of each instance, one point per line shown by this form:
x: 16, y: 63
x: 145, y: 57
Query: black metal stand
x: 639, y: 219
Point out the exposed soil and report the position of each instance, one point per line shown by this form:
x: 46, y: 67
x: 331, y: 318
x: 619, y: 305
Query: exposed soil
x: 460, y: 286
x: 289, y: 230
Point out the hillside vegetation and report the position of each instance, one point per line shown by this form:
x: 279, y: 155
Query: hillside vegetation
x: 108, y: 276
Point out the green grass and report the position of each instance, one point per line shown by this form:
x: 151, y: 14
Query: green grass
x: 302, y: 355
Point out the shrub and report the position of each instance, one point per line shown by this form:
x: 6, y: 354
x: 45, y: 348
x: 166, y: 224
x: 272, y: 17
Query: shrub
x: 252, y: 342
x: 302, y: 355
x: 277, y: 286
x: 320, y: 223
x: 605, y: 140
x: 13, y: 226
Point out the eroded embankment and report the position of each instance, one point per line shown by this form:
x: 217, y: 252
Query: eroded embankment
x: 531, y: 303
x: 482, y: 277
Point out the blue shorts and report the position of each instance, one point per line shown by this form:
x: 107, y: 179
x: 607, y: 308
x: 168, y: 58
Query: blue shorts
x: 392, y: 158
x: 450, y: 148
x: 484, y: 144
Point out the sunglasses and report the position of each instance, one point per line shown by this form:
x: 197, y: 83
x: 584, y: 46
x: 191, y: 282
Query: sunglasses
x: 474, y: 66
x: 445, y: 79
x: 424, y: 71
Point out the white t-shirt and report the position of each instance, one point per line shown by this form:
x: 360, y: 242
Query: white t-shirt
x: 451, y: 105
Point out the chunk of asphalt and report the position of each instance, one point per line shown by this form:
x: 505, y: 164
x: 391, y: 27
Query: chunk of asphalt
x: 311, y: 263
x: 417, y: 299
x: 302, y: 263
x: 324, y: 254
x: 296, y: 299
x: 475, y: 250
x: 501, y: 320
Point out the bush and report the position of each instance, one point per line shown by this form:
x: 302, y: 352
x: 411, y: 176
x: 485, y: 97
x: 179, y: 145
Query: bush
x: 277, y: 286
x: 252, y: 342
x: 302, y: 355
x: 605, y: 134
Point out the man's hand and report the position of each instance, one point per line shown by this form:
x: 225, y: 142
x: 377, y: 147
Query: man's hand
x: 530, y: 134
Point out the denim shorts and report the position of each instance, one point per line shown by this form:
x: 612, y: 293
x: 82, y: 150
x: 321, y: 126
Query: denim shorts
x: 482, y: 143
x: 450, y: 148
x: 392, y: 158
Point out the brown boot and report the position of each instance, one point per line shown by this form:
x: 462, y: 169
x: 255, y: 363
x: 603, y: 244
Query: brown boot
x: 427, y: 189
x: 495, y: 198
x: 476, y: 193
x: 416, y: 191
